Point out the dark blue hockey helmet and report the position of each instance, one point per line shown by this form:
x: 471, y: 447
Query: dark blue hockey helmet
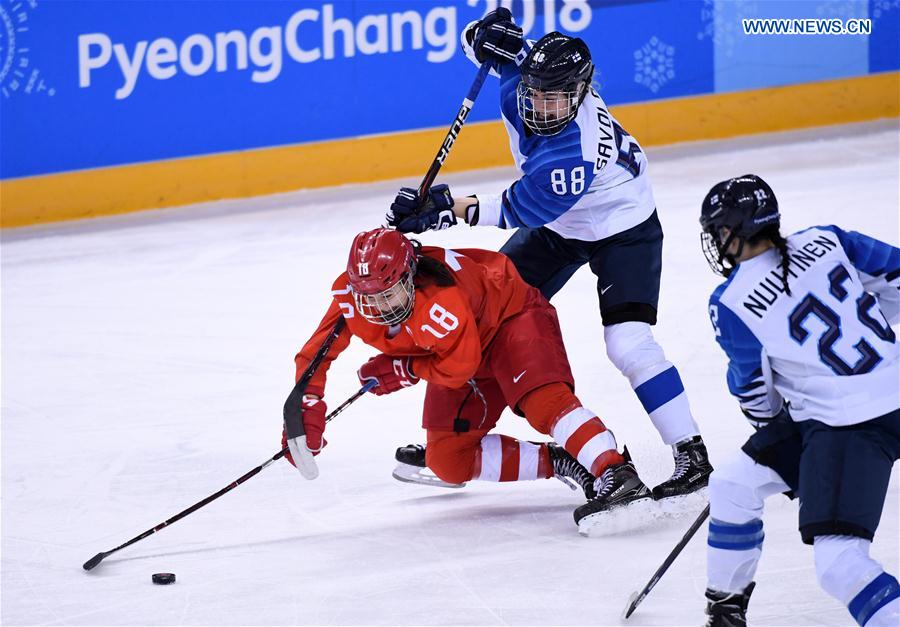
x: 556, y: 76
x: 735, y: 210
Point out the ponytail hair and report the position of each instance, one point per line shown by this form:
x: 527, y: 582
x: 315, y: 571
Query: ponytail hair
x: 772, y: 234
x: 782, y: 246
x: 430, y: 271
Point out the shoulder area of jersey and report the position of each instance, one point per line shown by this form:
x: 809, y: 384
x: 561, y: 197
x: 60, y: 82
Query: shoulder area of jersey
x: 721, y: 287
x: 431, y: 297
x: 435, y: 252
x: 450, y: 257
x: 818, y: 228
x: 341, y: 286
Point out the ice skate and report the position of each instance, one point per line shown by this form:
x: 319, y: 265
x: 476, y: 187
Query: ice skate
x: 566, y: 467
x: 620, y: 491
x: 728, y: 609
x: 411, y: 468
x: 692, y: 470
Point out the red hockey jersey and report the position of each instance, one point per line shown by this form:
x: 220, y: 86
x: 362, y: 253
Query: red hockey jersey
x: 449, y: 328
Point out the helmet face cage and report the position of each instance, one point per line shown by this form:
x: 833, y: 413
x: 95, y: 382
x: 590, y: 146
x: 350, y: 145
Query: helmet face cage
x: 714, y: 251
x: 548, y: 112
x: 744, y: 206
x: 388, y: 307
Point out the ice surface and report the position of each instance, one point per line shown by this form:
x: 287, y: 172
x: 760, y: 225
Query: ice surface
x: 146, y: 358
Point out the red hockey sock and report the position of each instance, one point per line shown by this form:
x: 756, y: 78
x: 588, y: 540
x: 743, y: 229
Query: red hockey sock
x: 553, y: 409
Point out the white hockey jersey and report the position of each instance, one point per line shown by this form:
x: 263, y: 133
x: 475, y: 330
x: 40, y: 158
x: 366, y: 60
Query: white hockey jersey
x: 588, y: 182
x: 827, y: 348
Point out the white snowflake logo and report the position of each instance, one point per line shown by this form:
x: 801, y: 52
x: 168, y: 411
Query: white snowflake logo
x: 724, y: 30
x: 883, y: 6
x: 654, y: 64
x: 842, y: 10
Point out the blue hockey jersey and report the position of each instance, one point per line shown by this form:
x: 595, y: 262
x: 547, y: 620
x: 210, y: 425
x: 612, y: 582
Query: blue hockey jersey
x: 587, y: 183
x: 827, y: 348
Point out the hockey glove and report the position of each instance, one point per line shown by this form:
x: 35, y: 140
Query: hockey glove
x: 391, y: 373
x: 303, y: 448
x: 407, y: 216
x: 496, y: 37
x: 758, y: 422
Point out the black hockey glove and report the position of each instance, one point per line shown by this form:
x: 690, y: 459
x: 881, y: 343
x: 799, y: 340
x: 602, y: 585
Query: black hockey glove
x: 758, y: 422
x: 436, y: 214
x: 496, y: 37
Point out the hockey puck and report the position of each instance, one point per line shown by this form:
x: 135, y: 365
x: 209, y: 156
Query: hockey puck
x: 163, y: 578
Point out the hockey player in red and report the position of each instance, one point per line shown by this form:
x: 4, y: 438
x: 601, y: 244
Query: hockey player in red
x: 483, y: 340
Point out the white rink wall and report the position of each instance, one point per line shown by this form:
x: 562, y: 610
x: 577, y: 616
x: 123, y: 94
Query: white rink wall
x: 145, y: 360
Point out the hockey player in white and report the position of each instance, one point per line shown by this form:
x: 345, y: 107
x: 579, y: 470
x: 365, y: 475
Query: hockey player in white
x: 814, y: 363
x: 583, y: 197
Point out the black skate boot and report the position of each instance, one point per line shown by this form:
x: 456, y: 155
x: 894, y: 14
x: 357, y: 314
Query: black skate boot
x: 617, y: 487
x: 411, y: 468
x: 692, y: 470
x: 564, y: 465
x: 411, y: 454
x: 728, y: 609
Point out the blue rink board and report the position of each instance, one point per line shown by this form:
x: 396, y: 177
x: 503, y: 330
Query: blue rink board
x: 67, y: 102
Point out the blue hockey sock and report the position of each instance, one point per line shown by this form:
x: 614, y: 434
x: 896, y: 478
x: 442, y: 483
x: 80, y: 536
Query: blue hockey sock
x: 875, y: 599
x: 666, y: 402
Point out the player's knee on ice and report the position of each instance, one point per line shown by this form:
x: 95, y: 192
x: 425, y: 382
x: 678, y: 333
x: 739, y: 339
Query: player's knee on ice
x: 451, y: 455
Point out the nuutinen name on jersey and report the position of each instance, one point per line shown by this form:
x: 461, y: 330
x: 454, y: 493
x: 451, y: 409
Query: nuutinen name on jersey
x: 770, y: 287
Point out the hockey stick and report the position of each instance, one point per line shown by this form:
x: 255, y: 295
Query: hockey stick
x: 453, y: 133
x: 636, y: 597
x: 99, y: 557
x: 293, y: 406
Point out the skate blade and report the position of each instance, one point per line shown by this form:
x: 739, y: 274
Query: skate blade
x: 623, y: 519
x: 422, y: 476
x: 684, y: 505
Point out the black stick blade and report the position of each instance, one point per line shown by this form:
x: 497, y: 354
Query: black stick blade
x: 91, y: 563
x: 633, y: 602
